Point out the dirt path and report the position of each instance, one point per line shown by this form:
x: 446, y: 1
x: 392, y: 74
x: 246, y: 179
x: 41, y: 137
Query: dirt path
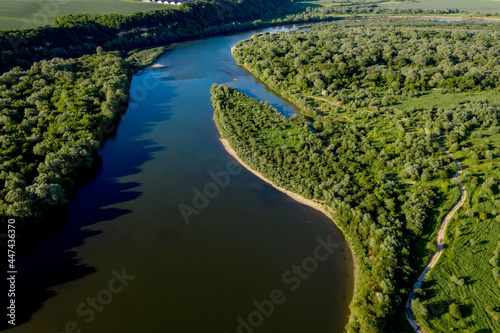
x: 324, y: 100
x: 440, y: 241
x: 442, y: 229
x: 331, y: 103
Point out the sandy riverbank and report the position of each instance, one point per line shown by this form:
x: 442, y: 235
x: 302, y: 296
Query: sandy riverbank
x: 316, y: 205
x: 465, y: 18
x: 311, y: 203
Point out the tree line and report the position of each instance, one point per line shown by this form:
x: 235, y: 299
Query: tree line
x: 365, y: 64
x: 380, y: 214
x: 469, y: 130
x: 364, y: 67
x: 75, y: 35
x: 53, y: 117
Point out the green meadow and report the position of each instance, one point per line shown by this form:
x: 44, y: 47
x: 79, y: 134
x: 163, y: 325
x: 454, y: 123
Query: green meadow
x: 473, y: 233
x: 472, y: 237
x: 439, y: 100
x: 21, y: 14
x: 490, y: 6
x: 473, y: 6
x: 383, y: 132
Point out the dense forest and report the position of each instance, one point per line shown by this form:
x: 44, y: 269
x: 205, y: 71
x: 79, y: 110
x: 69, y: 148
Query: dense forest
x: 365, y: 184
x: 370, y: 65
x: 463, y: 291
x: 353, y: 76
x: 356, y: 150
x: 55, y: 113
x: 53, y: 117
x: 75, y: 35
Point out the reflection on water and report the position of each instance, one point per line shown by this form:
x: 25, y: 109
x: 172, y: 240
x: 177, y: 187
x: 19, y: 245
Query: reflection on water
x: 201, y: 277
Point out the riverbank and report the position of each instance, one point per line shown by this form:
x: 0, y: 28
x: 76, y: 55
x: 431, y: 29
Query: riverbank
x: 308, y: 202
x: 139, y: 59
x: 316, y: 205
x: 131, y: 202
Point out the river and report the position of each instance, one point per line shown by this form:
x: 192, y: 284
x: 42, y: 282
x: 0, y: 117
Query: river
x: 126, y: 260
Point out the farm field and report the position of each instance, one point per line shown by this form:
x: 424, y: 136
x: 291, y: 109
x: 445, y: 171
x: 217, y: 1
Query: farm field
x: 473, y: 6
x: 324, y: 3
x: 22, y: 14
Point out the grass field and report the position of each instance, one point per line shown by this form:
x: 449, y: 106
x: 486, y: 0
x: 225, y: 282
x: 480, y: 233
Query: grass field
x: 473, y: 6
x: 471, y: 238
x: 447, y: 192
x: 436, y: 99
x: 324, y: 3
x: 489, y: 6
x: 472, y: 234
x: 21, y: 14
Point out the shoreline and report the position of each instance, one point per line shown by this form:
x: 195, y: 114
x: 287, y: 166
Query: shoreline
x: 327, y: 211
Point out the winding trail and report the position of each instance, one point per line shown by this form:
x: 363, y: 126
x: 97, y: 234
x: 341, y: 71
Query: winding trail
x: 440, y: 240
x: 441, y: 233
x: 325, y: 100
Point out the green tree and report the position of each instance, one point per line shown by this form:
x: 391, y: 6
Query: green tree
x: 419, y: 309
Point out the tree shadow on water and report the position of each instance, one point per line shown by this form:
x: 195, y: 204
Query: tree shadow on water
x: 54, y: 260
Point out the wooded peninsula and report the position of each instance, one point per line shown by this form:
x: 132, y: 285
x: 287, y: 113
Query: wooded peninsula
x: 381, y: 102
x: 369, y: 92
